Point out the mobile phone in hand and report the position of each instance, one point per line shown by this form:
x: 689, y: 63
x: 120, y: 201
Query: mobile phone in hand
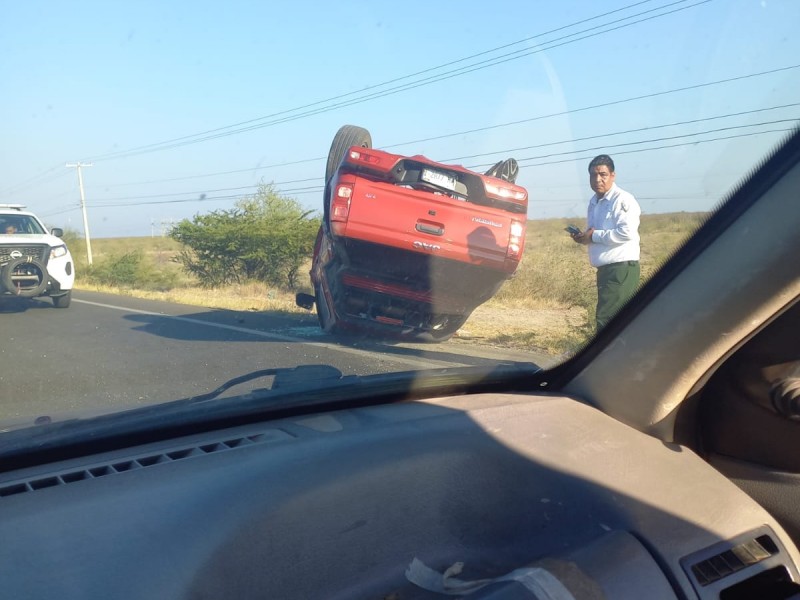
x: 572, y: 230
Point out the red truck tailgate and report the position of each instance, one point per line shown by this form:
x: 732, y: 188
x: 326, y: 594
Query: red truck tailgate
x: 428, y: 223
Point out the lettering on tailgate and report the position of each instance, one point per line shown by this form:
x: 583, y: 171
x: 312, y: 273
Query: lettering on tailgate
x: 418, y: 245
x: 489, y: 222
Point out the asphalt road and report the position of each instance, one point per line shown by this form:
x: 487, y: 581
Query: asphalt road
x: 111, y: 352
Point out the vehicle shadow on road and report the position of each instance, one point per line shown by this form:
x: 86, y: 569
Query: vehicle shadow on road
x: 463, y: 353
x: 239, y: 326
x: 18, y: 305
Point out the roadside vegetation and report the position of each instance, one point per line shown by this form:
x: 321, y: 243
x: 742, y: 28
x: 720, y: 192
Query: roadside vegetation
x: 256, y: 256
x: 264, y: 238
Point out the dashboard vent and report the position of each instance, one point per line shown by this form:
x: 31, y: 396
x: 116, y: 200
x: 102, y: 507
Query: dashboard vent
x: 737, y: 558
x: 130, y: 464
x: 752, y: 565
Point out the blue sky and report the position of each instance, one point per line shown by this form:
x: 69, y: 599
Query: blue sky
x: 84, y: 80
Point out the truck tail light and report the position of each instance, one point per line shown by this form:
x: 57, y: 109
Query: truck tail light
x: 363, y: 156
x: 507, y: 196
x: 367, y: 160
x: 516, y: 240
x: 340, y: 206
x: 514, y: 193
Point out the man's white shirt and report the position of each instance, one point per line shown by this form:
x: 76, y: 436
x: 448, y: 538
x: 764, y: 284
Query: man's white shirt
x: 615, y: 218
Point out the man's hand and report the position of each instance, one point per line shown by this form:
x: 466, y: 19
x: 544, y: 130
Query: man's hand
x: 584, y: 238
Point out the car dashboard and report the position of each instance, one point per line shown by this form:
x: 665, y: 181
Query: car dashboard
x: 495, y: 495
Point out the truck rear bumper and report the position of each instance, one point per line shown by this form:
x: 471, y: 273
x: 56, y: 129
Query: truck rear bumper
x: 405, y: 292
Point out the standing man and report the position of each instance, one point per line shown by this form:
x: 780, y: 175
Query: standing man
x: 613, y: 239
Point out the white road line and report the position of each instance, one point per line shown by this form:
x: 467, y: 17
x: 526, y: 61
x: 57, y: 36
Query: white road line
x: 414, y: 362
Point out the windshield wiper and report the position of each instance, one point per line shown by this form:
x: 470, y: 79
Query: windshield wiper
x: 294, y: 392
x: 283, y: 377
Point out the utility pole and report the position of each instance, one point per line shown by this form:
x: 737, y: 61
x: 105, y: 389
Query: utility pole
x: 78, y: 166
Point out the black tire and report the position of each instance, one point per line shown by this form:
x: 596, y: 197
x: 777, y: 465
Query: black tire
x: 506, y: 170
x: 7, y: 280
x: 62, y: 301
x: 326, y: 322
x: 345, y: 138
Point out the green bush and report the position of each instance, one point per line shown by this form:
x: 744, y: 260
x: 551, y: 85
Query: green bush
x: 129, y: 270
x: 266, y: 237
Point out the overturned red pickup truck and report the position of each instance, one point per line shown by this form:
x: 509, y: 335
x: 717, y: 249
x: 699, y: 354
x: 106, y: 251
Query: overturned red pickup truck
x: 409, y: 247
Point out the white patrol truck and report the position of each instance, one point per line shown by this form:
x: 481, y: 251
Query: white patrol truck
x: 33, y: 261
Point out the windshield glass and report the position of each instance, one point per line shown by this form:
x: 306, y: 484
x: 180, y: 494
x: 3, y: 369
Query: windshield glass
x: 19, y: 224
x: 369, y: 189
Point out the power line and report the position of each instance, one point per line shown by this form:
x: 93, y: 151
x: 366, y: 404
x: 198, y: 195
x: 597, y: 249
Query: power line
x: 408, y: 76
x: 581, y: 201
x: 505, y: 151
x: 231, y: 189
x: 637, y: 130
x: 648, y: 180
x: 595, y: 106
x: 314, y: 190
x: 317, y: 189
x: 693, y: 143
x: 437, y: 78
x: 61, y: 211
x: 203, y: 175
x: 202, y: 195
x: 309, y: 190
x: 661, y: 139
x: 384, y: 83
x: 39, y: 179
x: 196, y: 138
x: 206, y: 198
x: 499, y: 125
x: 616, y: 102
